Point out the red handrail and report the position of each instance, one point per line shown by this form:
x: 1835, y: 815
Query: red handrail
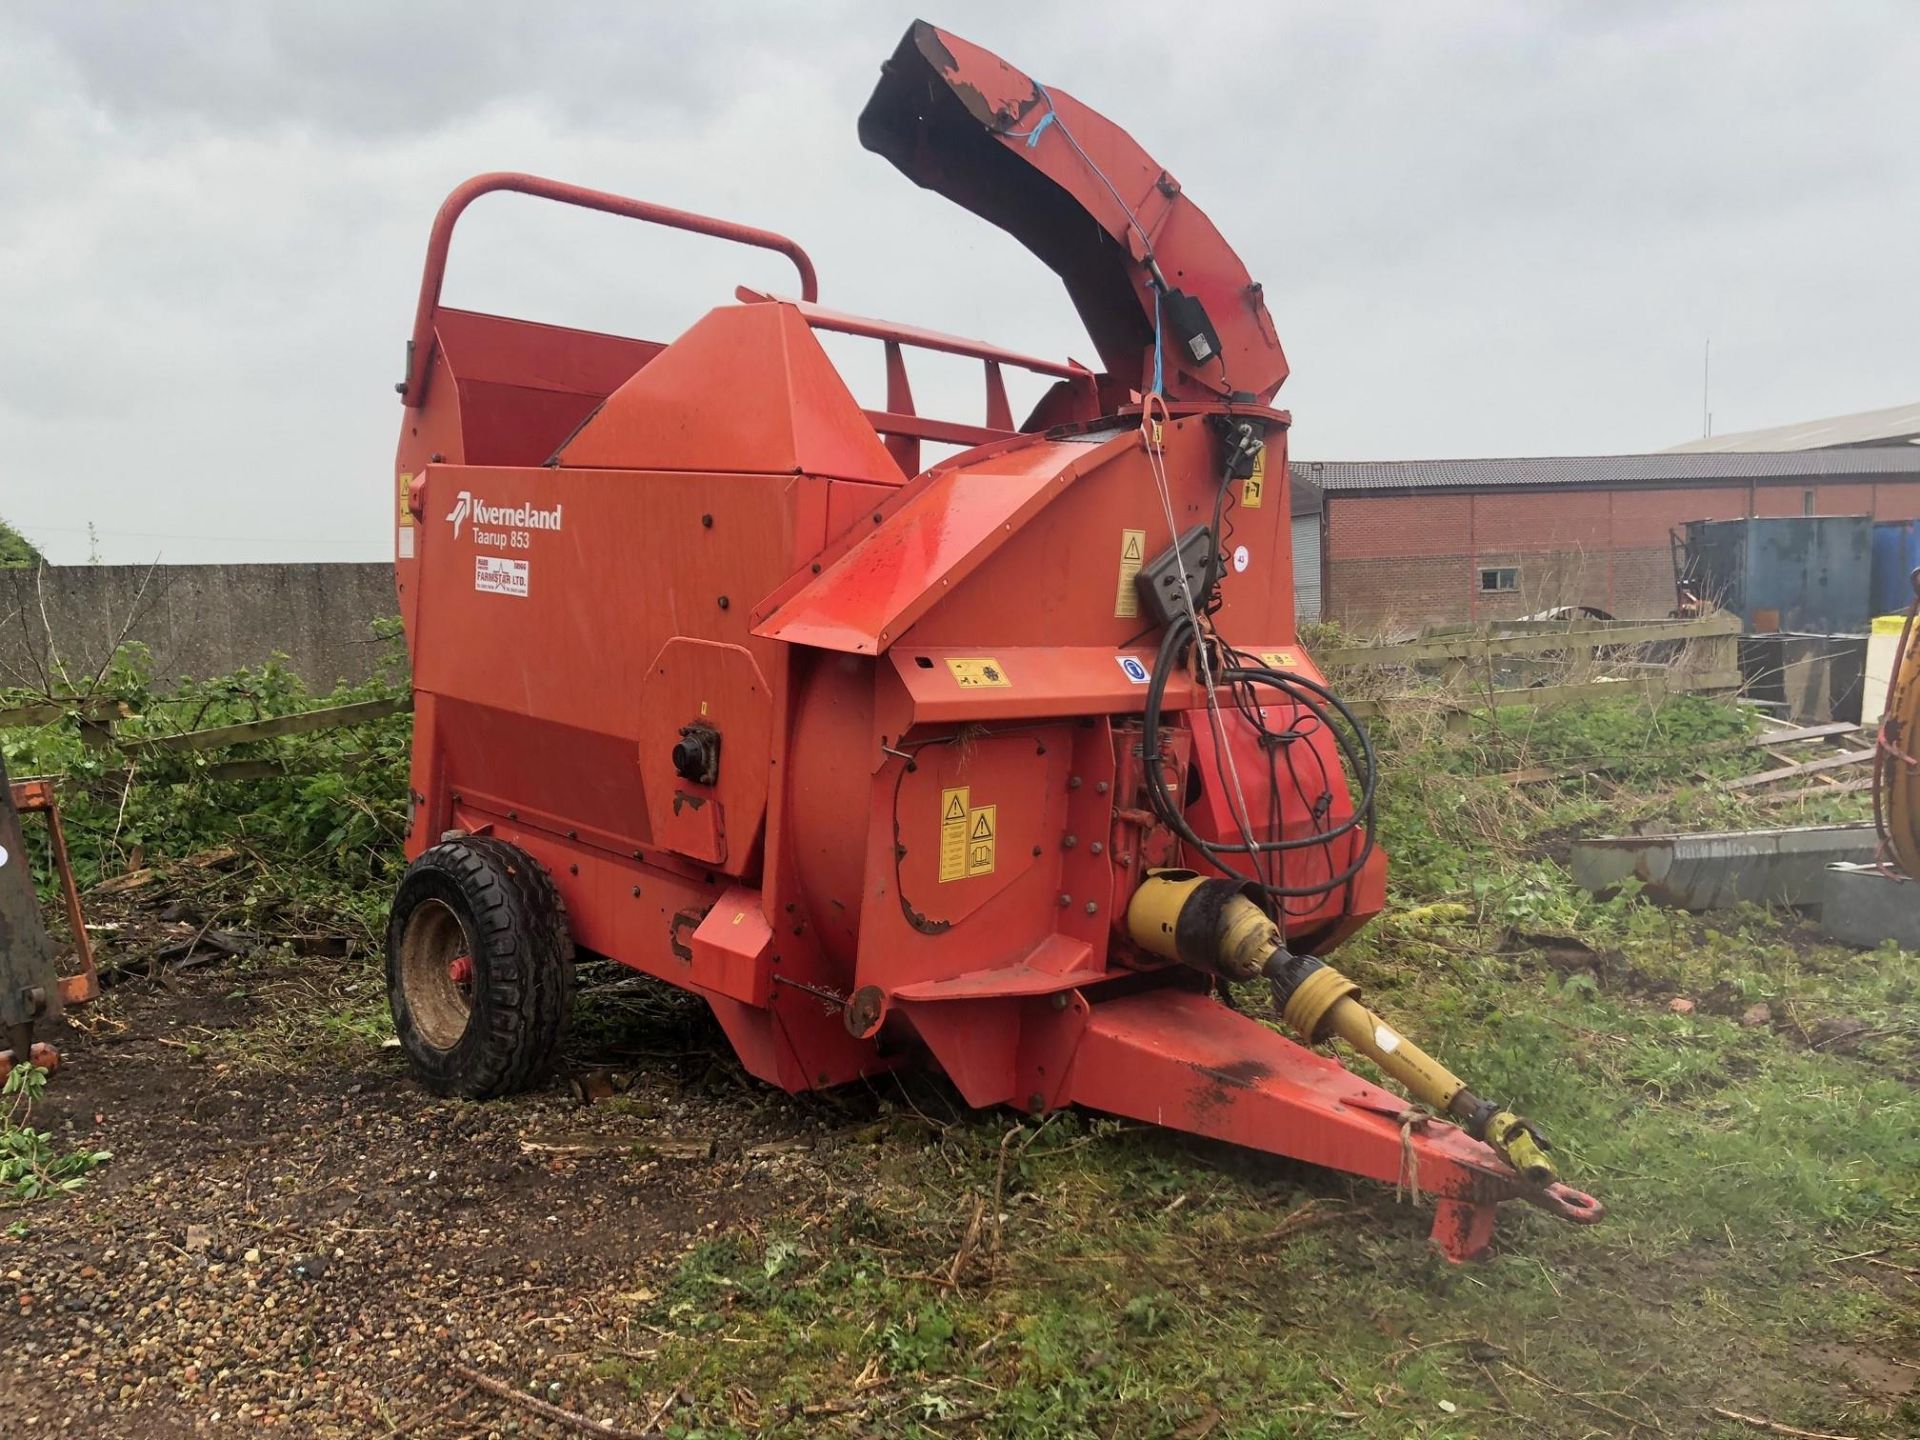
x: 419, y: 347
x: 903, y: 427
x: 861, y: 325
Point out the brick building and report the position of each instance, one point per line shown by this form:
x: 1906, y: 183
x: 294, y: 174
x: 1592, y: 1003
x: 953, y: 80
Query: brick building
x: 1415, y: 542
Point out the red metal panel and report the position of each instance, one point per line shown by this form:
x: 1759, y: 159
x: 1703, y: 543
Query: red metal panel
x: 733, y: 948
x: 1057, y: 580
x: 747, y: 389
x: 1041, y: 681
x: 943, y: 529
x: 913, y: 925
x: 499, y: 350
x: 702, y: 682
x: 535, y: 698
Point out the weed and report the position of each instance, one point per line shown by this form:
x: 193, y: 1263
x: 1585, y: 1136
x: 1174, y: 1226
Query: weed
x: 31, y: 1167
x: 322, y: 831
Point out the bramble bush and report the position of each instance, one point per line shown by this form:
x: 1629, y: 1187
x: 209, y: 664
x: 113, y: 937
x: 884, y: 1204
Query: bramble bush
x: 332, y: 816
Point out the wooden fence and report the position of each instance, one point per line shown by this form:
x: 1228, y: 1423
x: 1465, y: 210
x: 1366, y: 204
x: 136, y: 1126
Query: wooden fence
x: 96, y: 716
x: 1562, y: 660
x: 1467, y: 671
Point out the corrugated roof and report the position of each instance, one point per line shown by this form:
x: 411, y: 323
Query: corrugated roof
x: 1897, y: 424
x: 1592, y: 471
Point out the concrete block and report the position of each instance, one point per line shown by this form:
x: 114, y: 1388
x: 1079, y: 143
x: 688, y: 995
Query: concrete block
x: 1866, y: 906
x: 1717, y: 869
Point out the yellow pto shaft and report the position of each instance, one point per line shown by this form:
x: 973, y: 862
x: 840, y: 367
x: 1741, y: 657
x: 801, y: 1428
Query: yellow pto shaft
x: 1214, y: 925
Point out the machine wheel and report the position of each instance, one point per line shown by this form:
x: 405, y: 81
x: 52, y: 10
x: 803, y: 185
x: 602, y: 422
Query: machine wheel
x: 479, y: 968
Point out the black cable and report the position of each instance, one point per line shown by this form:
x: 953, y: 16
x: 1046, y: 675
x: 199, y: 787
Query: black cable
x: 1308, y: 696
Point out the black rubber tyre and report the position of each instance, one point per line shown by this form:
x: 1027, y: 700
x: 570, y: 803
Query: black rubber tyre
x: 492, y: 1025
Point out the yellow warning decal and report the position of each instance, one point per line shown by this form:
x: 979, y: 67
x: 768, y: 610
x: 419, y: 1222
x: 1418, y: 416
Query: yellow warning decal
x: 1255, y: 487
x: 982, y: 824
x: 977, y: 672
x: 953, y: 834
x: 1279, y: 659
x: 406, y: 483
x: 1133, y: 552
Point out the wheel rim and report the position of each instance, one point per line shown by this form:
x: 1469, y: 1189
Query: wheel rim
x: 436, y: 974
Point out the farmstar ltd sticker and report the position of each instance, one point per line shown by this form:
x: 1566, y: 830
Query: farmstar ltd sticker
x: 518, y: 517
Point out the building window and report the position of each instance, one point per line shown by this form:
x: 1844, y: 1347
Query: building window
x: 1500, y: 580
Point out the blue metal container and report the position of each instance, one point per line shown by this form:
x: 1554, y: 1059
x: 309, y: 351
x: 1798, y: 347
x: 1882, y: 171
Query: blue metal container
x: 1804, y: 573
x: 1896, y: 554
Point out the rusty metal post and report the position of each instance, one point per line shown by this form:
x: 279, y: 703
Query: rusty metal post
x: 29, y: 985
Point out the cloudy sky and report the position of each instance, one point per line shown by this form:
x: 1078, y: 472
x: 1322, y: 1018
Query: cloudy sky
x: 1484, y: 228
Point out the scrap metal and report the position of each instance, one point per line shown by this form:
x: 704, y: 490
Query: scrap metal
x: 32, y: 991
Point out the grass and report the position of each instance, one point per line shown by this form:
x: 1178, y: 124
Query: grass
x: 1121, y: 1281
x: 965, y: 1273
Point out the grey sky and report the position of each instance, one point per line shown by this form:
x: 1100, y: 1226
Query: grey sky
x: 1483, y: 228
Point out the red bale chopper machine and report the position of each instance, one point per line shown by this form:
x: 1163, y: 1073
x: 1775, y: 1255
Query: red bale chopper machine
x: 1011, y: 763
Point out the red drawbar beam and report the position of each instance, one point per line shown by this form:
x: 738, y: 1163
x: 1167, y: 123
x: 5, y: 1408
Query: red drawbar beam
x: 419, y: 348
x: 1183, y: 1060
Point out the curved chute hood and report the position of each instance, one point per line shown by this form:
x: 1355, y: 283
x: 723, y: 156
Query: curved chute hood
x: 1077, y: 191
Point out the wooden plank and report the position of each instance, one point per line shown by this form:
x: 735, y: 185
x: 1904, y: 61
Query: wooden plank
x: 1810, y: 767
x: 304, y: 723
x: 1542, y: 696
x: 1588, y: 636
x: 1811, y: 732
x: 51, y: 712
x: 1813, y: 792
x: 275, y: 769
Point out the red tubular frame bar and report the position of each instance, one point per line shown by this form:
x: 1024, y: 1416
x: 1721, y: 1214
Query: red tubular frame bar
x: 419, y: 347
x: 900, y: 422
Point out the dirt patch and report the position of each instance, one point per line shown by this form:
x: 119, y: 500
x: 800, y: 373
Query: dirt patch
x: 306, y: 1249
x: 1870, y: 1373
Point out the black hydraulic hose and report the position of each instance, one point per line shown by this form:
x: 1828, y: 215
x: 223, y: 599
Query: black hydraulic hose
x: 1181, y: 635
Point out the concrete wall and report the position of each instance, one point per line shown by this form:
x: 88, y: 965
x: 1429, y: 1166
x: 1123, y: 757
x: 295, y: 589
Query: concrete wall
x: 1401, y: 561
x: 197, y: 620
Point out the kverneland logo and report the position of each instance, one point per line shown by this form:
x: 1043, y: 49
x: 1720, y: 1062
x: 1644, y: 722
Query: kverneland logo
x: 516, y: 517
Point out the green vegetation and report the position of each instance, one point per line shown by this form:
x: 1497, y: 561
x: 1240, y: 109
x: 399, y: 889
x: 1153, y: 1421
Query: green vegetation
x: 16, y: 551
x: 323, y: 829
x: 31, y: 1167
x: 947, y: 1272
x: 975, y: 1274
x: 311, y: 848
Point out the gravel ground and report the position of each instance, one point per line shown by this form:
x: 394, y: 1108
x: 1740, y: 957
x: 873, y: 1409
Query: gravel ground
x: 311, y: 1246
